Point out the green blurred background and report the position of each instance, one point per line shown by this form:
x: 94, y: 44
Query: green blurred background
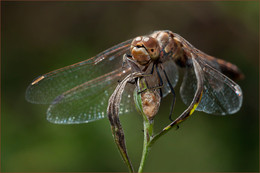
x: 38, y: 37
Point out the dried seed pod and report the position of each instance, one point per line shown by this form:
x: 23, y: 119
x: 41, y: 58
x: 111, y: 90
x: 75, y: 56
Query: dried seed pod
x: 150, y: 102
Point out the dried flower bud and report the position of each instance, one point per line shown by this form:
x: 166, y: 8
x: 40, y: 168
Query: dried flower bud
x: 150, y: 103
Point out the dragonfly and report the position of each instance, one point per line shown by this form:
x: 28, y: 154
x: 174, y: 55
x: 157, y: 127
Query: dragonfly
x: 79, y: 93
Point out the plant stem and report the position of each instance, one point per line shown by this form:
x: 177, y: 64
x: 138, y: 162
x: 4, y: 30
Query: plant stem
x: 149, y: 140
x: 148, y: 132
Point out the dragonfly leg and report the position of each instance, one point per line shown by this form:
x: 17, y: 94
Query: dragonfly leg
x: 172, y: 91
x: 160, y: 80
x: 126, y: 58
x: 141, y: 91
x: 197, y: 97
x: 152, y: 69
x: 129, y: 62
x: 160, y: 86
x: 159, y: 76
x: 172, y: 106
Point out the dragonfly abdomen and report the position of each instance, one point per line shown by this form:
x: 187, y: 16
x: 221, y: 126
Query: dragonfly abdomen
x: 230, y: 70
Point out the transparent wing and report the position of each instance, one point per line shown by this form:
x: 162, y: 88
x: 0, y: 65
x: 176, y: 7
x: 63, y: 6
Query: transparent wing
x: 45, y: 88
x: 172, y: 73
x: 88, y: 102
x: 153, y: 80
x: 221, y: 95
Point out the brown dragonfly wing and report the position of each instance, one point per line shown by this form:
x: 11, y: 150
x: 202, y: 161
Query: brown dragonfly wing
x: 88, y: 102
x: 221, y: 95
x: 45, y: 88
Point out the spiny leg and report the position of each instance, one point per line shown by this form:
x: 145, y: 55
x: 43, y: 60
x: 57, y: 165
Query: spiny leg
x: 197, y: 97
x: 152, y: 69
x: 173, y: 93
x: 128, y: 60
x: 151, y: 73
x: 160, y: 80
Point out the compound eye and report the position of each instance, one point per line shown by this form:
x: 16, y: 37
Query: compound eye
x: 136, y: 42
x: 139, y: 52
x: 152, y: 47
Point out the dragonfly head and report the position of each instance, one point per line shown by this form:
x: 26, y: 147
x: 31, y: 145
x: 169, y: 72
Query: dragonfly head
x: 144, y: 49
